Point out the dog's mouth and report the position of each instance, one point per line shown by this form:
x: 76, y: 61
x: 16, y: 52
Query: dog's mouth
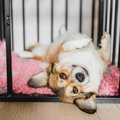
x: 84, y: 95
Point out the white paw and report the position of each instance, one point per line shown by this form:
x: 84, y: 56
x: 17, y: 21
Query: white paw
x: 105, y: 40
x: 105, y: 47
x: 25, y: 54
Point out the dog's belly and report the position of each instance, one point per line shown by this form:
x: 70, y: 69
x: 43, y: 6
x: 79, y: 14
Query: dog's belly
x: 85, y: 56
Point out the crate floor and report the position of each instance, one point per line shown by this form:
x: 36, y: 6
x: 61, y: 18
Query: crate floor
x: 55, y: 111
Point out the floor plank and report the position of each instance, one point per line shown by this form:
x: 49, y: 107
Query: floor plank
x: 8, y: 111
x: 24, y: 111
x: 118, y: 105
x: 60, y: 111
x: 108, y: 112
x: 55, y: 111
x: 2, y: 105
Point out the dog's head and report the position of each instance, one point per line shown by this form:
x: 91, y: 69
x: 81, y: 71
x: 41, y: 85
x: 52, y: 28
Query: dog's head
x: 77, y: 76
x: 73, y: 84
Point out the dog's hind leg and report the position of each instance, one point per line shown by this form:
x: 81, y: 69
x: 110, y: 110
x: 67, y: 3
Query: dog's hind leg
x: 36, y: 51
x: 105, y: 49
x: 25, y: 54
x: 39, y: 80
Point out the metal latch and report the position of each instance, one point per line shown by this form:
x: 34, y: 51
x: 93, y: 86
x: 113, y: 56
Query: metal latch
x: 8, y: 20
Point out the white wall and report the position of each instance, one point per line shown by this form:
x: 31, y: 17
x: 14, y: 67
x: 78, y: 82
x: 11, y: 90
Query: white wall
x: 45, y: 20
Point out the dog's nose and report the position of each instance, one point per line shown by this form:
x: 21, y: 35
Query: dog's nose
x: 80, y: 76
x: 75, y: 90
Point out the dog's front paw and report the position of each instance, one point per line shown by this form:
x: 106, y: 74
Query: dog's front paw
x: 105, y: 40
x: 105, y: 47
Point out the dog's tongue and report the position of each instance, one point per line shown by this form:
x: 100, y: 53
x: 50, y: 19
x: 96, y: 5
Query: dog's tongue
x: 87, y: 105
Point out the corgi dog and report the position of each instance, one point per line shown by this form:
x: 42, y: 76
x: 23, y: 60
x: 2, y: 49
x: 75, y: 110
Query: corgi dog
x: 76, y: 68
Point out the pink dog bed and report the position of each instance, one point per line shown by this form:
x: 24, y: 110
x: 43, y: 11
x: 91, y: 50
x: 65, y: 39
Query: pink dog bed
x: 23, y: 69
x: 111, y: 82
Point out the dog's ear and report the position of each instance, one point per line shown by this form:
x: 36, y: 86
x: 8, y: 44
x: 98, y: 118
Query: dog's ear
x: 87, y: 105
x: 105, y: 49
x: 38, y: 80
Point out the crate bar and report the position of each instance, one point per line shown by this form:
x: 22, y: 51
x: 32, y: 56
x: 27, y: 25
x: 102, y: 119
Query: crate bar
x: 12, y: 33
x: 52, y: 19
x: 93, y: 18
x: 106, y: 15
x: 80, y: 17
x: 27, y: 98
x: 8, y: 46
x: 114, y: 100
x: 66, y: 14
x: 119, y: 41
x: 117, y: 35
x: 111, y: 8
x: 23, y: 13
x: 119, y: 51
x: 115, y: 31
x: 1, y: 20
x: 119, y: 54
x: 38, y: 35
x: 112, y: 28
x: 2, y: 33
x: 22, y: 98
x: 100, y: 21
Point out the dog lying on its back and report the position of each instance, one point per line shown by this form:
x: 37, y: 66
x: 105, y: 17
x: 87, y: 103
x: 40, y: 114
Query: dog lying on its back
x: 77, y: 69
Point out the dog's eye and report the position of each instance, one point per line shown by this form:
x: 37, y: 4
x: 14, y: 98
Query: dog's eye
x: 80, y: 76
x: 63, y: 76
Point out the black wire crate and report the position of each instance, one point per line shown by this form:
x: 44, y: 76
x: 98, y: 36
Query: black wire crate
x: 23, y: 20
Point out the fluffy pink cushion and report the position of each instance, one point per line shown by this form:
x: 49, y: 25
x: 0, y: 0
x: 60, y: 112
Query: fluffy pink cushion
x: 23, y: 69
x: 110, y: 84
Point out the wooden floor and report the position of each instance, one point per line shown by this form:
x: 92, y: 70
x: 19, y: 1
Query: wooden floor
x: 55, y: 111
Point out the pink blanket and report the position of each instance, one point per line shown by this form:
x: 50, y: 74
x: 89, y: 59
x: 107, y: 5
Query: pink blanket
x: 111, y: 82
x: 23, y: 69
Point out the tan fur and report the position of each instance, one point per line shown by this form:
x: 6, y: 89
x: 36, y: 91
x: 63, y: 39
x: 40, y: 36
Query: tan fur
x: 30, y: 48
